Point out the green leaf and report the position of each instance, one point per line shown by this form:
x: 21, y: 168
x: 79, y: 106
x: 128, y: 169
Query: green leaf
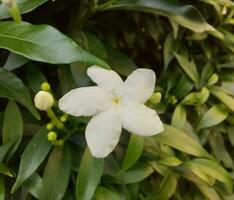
x: 12, y: 127
x: 180, y: 140
x: 120, y: 62
x: 90, y: 43
x: 13, y: 88
x: 56, y: 174
x: 188, y: 66
x: 187, y: 16
x: 179, y: 117
x: 102, y: 193
x: 33, y: 185
x: 137, y: 173
x: 211, y: 169
x: 35, y: 77
x: 223, y: 97
x: 167, y: 187
x: 134, y: 151
x: 215, y: 115
x: 24, y: 7
x: 4, y: 149
x: 89, y: 175
x: 33, y: 155
x: 2, y: 187
x: 14, y: 61
x: 48, y: 46
x: 170, y: 161
x: 208, y: 192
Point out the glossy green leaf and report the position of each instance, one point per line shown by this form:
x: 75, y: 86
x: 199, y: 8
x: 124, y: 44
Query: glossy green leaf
x: 12, y: 127
x: 215, y: 115
x: 180, y: 140
x: 188, y: 66
x: 33, y: 185
x: 223, y: 97
x: 179, y: 117
x: 14, y: 61
x: 213, y: 170
x: 48, y: 46
x: 137, y: 173
x: 187, y: 15
x: 89, y: 175
x: 24, y: 7
x: 56, y: 174
x: 102, y: 193
x: 13, y: 88
x: 33, y: 155
x: 134, y: 151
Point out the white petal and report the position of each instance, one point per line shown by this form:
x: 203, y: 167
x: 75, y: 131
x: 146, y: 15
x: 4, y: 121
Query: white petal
x: 141, y: 120
x: 107, y: 79
x: 139, y: 86
x: 103, y: 132
x: 85, y: 101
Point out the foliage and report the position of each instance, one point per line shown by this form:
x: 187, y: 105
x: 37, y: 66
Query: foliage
x: 190, y: 46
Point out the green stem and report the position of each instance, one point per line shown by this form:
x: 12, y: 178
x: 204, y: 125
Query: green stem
x: 54, y: 119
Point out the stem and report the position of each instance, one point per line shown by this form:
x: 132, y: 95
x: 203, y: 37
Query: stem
x: 54, y: 119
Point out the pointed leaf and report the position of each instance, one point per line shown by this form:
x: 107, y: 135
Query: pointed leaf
x: 89, y: 175
x: 12, y: 127
x: 13, y: 88
x: 43, y: 43
x: 134, y: 151
x: 56, y: 174
x: 185, y: 15
x: 215, y: 115
x: 178, y: 139
x: 33, y: 155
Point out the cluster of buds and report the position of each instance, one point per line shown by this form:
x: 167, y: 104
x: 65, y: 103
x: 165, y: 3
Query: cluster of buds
x: 44, y: 101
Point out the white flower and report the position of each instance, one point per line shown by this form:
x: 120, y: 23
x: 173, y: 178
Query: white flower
x: 43, y: 100
x: 114, y: 104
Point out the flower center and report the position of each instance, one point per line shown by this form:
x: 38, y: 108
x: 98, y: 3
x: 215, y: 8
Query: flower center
x: 116, y: 101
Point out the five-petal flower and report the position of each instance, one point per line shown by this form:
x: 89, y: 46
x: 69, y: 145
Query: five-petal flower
x: 113, y: 104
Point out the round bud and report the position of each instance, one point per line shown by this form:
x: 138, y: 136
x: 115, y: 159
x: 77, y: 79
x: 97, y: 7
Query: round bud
x: 155, y: 98
x: 45, y: 86
x: 60, y: 142
x: 63, y: 118
x: 43, y: 100
x: 49, y: 126
x: 52, y: 136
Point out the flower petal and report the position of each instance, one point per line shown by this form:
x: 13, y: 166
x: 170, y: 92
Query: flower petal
x: 85, y: 101
x: 141, y: 120
x: 109, y: 80
x: 139, y: 86
x: 103, y: 132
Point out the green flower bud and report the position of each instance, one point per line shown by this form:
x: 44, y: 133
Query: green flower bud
x: 213, y: 79
x: 64, y: 118
x: 49, y: 126
x: 59, y: 142
x: 52, y: 136
x: 155, y: 98
x: 45, y: 86
x: 172, y: 99
x: 43, y: 100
